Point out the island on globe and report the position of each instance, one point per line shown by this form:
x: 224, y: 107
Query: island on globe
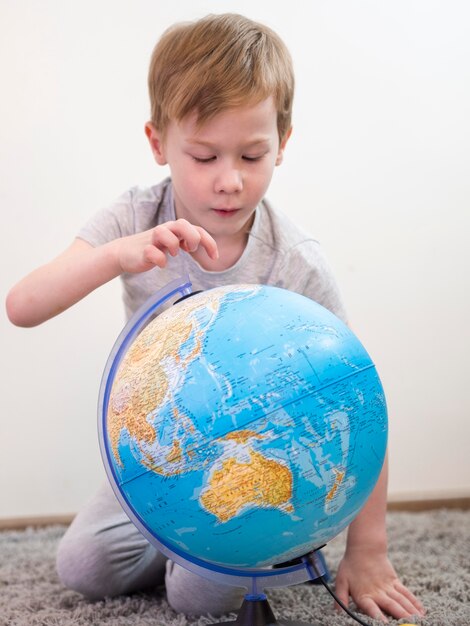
x: 244, y: 426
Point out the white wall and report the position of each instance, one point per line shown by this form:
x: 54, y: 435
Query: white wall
x: 377, y: 169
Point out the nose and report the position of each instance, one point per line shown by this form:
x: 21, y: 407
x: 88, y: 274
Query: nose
x: 229, y: 179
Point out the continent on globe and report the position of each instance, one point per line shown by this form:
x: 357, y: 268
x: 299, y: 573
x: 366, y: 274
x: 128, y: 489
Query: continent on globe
x: 236, y: 484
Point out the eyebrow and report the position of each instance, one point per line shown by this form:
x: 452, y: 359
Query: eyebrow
x: 251, y: 144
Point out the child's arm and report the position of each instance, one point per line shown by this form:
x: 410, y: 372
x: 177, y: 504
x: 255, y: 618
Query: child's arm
x: 365, y: 573
x: 54, y: 287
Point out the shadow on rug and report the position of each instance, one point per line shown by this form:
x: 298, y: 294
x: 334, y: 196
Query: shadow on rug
x: 430, y: 551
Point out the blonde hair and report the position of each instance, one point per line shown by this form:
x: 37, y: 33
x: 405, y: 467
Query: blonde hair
x: 217, y: 63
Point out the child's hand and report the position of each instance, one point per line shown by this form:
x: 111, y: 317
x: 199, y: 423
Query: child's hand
x: 142, y: 252
x: 371, y: 581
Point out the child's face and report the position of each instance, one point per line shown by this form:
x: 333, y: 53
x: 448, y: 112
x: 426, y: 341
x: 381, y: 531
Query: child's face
x: 221, y: 171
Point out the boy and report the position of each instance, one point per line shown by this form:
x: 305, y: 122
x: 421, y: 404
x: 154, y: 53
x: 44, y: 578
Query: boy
x: 221, y: 94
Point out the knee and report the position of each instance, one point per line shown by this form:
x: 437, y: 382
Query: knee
x: 190, y: 594
x: 83, y: 566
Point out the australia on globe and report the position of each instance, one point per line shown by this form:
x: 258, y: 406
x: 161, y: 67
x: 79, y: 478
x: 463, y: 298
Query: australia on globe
x: 244, y: 426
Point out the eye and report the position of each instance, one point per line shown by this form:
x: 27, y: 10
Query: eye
x: 203, y: 159
x: 252, y: 159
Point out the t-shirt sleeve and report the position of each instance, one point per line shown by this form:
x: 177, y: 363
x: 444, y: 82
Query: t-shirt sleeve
x: 113, y: 222
x: 304, y: 269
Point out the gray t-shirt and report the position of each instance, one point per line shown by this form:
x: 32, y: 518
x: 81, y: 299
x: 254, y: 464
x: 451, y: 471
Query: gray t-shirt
x: 277, y: 253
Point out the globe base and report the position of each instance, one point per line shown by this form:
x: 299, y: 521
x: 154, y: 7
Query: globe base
x: 255, y: 611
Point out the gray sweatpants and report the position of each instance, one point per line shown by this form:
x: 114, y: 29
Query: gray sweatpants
x: 103, y: 554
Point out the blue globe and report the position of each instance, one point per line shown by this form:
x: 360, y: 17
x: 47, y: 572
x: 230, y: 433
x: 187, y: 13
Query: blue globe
x: 242, y: 427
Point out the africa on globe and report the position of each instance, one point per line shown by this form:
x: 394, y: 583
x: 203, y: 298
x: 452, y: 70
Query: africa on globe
x: 244, y: 426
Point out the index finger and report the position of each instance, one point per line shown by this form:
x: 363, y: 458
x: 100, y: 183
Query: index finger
x: 191, y: 237
x: 208, y: 243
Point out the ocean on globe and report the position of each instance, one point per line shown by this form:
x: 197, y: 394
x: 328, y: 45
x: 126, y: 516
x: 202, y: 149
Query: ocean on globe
x: 243, y: 427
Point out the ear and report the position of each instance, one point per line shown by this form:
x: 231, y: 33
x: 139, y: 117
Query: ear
x: 156, y: 143
x: 280, y: 154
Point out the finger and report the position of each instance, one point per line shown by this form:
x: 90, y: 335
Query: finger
x: 342, y: 592
x: 188, y: 235
x: 154, y: 256
x: 166, y: 240
x: 406, y: 604
x: 208, y: 243
x: 371, y: 608
x: 194, y: 236
x: 418, y: 606
x: 392, y: 607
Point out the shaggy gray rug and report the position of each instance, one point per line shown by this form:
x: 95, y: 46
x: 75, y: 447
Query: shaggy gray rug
x: 431, y: 552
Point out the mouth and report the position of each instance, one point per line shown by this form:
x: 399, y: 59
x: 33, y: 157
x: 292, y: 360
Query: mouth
x: 225, y: 212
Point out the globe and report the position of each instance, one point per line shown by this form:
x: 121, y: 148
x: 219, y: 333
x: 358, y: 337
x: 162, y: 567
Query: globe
x: 242, y: 427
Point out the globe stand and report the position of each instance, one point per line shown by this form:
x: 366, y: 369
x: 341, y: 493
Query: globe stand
x: 256, y: 611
